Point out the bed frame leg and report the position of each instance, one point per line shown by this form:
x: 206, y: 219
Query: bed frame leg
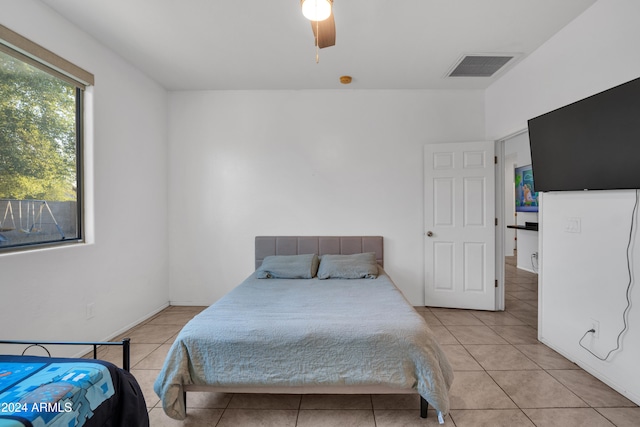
x: 184, y: 399
x: 424, y: 405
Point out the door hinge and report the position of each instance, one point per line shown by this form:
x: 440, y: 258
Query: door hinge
x: 496, y: 283
x: 495, y: 160
x: 496, y: 221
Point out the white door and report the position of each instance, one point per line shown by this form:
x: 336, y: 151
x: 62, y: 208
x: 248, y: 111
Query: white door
x: 459, y: 186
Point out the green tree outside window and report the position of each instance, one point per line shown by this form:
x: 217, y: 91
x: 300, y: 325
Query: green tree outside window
x: 37, y: 134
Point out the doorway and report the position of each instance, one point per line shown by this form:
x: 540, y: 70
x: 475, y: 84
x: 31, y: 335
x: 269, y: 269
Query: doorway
x: 519, y: 248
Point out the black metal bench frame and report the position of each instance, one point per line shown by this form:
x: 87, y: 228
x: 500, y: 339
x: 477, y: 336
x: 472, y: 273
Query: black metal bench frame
x: 125, y: 343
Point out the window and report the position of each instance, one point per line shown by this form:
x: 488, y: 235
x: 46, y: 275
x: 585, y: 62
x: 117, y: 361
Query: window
x: 40, y: 146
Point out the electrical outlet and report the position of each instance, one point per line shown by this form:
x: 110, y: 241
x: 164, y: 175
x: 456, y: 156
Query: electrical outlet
x: 573, y: 225
x: 91, y: 310
x: 595, y: 325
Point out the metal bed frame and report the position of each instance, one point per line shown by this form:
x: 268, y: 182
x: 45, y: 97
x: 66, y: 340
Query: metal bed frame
x: 125, y: 343
x: 424, y: 404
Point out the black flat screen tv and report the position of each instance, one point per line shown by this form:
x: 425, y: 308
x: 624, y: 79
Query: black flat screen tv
x: 592, y: 144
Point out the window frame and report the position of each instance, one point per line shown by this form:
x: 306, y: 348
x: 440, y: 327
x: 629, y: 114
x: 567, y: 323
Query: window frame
x: 23, y: 49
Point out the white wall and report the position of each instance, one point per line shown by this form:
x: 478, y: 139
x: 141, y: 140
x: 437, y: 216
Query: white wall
x: 43, y: 294
x: 247, y: 163
x: 583, y: 275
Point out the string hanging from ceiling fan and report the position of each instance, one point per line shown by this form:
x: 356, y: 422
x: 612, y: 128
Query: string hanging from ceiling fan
x: 317, y: 42
x: 320, y: 10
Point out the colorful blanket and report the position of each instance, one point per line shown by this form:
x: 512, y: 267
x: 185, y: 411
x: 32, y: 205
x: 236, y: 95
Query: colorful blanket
x: 48, y: 392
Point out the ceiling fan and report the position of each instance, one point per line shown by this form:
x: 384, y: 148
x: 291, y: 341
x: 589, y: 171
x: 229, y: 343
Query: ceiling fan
x: 320, y: 13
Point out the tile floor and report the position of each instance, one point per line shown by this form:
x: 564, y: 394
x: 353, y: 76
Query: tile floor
x: 503, y: 377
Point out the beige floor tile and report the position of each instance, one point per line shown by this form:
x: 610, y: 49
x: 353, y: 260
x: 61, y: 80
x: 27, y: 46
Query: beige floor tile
x: 336, y: 401
x: 408, y: 418
x: 195, y: 309
x: 516, y: 307
x: 531, y: 321
x: 525, y: 295
x: 140, y: 351
x: 512, y: 287
x: 621, y: 417
x: 258, y: 418
x: 457, y: 318
x: 446, y: 310
x: 210, y: 400
x: 527, y: 307
x: 516, y: 304
x: 431, y: 318
x: 332, y: 418
x: 501, y: 318
x: 264, y: 401
x: 567, y: 417
x: 195, y: 418
x: 528, y: 318
x: 545, y: 357
x: 153, y: 334
x: 460, y: 358
x: 475, y: 335
x: 155, y: 360
x: 477, y: 390
x: 146, y: 378
x: 396, y: 401
x: 490, y: 418
x: 522, y: 277
x: 500, y: 358
x: 536, y: 389
x: 173, y: 338
x: 590, y: 389
x: 533, y: 286
x: 174, y: 317
x: 113, y: 354
x: 517, y: 334
x: 443, y: 336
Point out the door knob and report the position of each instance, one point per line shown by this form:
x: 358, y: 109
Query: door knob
x: 429, y: 233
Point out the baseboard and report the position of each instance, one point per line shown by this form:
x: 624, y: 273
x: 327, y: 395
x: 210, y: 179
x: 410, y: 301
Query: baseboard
x: 530, y: 270
x: 189, y: 304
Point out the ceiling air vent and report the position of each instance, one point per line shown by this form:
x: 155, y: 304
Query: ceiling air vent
x: 479, y: 65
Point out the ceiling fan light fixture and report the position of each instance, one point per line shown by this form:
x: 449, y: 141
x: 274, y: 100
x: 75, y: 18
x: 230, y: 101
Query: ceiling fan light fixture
x: 316, y: 10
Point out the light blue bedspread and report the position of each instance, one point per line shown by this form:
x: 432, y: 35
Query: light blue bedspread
x: 290, y: 332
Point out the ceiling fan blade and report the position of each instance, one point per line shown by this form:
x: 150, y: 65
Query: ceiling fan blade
x: 327, y: 30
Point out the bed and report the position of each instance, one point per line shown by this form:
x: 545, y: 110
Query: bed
x: 312, y: 335
x: 38, y: 391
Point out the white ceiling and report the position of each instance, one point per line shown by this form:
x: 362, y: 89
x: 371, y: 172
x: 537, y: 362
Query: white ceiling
x: 251, y: 44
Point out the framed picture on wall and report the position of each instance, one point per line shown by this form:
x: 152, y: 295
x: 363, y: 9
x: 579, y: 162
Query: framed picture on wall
x: 526, y: 195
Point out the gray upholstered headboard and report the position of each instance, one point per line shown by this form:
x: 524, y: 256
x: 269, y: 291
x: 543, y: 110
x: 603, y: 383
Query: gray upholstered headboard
x: 321, y: 245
